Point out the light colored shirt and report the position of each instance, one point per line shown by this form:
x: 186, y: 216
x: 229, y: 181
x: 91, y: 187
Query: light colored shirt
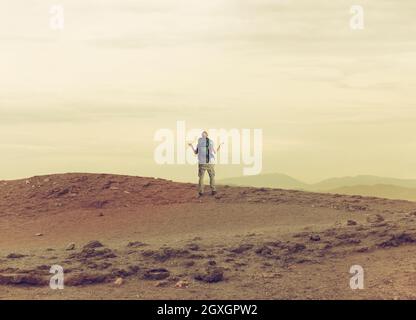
x: 205, y: 151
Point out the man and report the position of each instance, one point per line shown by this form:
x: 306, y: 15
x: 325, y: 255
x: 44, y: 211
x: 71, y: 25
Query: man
x: 205, y: 151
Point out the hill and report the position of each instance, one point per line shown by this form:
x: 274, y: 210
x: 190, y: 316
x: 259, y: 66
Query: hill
x: 124, y: 237
x: 273, y: 180
x: 379, y: 190
x: 365, y: 185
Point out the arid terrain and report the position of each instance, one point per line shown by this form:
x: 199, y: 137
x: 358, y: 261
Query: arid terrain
x: 123, y: 237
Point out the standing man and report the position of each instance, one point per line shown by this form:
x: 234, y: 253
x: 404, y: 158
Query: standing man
x: 205, y: 151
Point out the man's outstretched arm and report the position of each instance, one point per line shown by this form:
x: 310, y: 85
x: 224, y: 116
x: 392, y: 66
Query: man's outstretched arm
x: 193, y: 149
x: 219, y: 146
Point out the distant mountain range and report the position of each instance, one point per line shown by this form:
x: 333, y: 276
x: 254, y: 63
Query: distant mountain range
x: 366, y: 185
x: 273, y: 180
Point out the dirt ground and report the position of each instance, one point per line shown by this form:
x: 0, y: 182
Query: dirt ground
x: 122, y: 237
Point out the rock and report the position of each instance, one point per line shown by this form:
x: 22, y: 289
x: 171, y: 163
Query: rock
x: 211, y: 263
x: 357, y: 208
x: 118, y: 282
x: 264, y: 251
x: 119, y: 272
x: 22, y: 279
x: 193, y: 246
x: 85, y: 279
x: 166, y: 253
x: 134, y: 268
x: 93, y: 244
x: 212, y: 275
x: 182, y: 284
x: 88, y: 253
x: 70, y: 246
x: 98, y: 204
x: 351, y: 223
x: 136, y: 244
x: 156, y: 274
x: 242, y: 248
x: 315, y: 237
x: 15, y: 256
x: 39, y: 234
x: 188, y: 264
x: 397, y: 240
x: 102, y: 266
x: 297, y: 247
x: 43, y: 267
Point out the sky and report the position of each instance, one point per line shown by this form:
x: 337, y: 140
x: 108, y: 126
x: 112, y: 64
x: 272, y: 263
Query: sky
x: 331, y: 101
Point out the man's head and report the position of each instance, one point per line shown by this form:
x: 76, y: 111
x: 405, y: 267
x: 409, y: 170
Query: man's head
x: 204, y: 134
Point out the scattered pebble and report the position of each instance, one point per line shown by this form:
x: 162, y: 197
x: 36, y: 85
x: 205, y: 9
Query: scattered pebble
x: 93, y: 244
x: 351, y: 223
x: 15, y: 256
x: 315, y: 237
x: 70, y: 246
x: 119, y: 281
x: 182, y: 284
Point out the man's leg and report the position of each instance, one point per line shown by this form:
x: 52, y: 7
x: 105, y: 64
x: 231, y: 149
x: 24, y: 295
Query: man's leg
x: 201, y: 173
x: 211, y: 173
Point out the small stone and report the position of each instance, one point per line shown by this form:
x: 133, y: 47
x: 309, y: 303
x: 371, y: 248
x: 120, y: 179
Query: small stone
x: 212, y: 275
x: 93, y: 244
x: 182, y: 284
x: 70, y: 246
x: 39, y: 234
x: 315, y: 237
x: 22, y: 279
x: 193, y: 247
x: 189, y: 264
x: 15, y: 256
x: 351, y: 223
x: 135, y: 244
x: 156, y: 274
x: 119, y: 281
x: 211, y: 263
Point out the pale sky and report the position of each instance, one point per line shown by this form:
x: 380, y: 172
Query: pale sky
x: 331, y: 101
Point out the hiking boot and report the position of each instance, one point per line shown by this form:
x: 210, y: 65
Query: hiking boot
x: 214, y: 193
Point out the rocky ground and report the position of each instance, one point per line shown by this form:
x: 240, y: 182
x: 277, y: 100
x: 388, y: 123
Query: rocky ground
x: 121, y: 237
